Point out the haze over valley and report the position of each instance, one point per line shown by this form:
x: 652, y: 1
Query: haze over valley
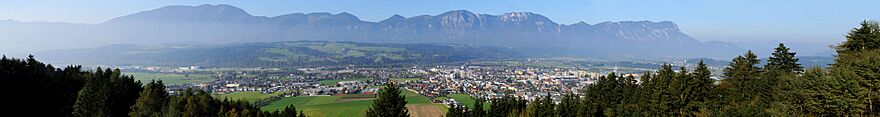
x: 225, y: 24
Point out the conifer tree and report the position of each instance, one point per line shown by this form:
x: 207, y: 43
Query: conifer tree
x: 289, y: 111
x: 541, y: 107
x: 456, y: 111
x: 783, y: 61
x: 152, y: 101
x: 569, y: 106
x: 631, y: 96
x: 866, y: 37
x: 700, y: 88
x: 389, y: 104
x: 477, y: 110
x: 745, y: 93
x: 506, y: 106
x: 859, y: 67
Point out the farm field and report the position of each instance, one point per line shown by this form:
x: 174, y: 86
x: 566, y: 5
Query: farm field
x: 466, y: 100
x: 336, y: 106
x: 250, y: 96
x: 171, y: 78
x: 426, y: 110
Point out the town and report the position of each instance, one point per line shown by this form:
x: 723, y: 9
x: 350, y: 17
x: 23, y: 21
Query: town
x: 478, y: 80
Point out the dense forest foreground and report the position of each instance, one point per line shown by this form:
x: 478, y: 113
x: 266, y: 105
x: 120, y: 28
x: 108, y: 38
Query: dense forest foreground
x: 781, y: 87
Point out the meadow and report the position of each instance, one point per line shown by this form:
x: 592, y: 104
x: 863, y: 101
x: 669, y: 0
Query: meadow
x: 170, y: 79
x: 250, y: 96
x: 336, y: 106
x: 467, y: 100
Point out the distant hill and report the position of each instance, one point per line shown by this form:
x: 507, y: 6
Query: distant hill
x: 293, y: 53
x: 223, y: 24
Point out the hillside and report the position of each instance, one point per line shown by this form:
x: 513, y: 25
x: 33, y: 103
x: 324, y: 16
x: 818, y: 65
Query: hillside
x: 291, y: 53
x: 224, y: 24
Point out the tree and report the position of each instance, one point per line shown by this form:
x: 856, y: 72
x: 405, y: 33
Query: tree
x: 506, y: 106
x: 541, y: 107
x: 477, y: 110
x: 106, y: 93
x: 289, y: 111
x: 39, y: 89
x: 456, y: 111
x: 783, y: 61
x: 152, y: 101
x: 389, y: 104
x: 860, y: 67
x: 744, y: 92
x: 866, y: 37
x: 700, y: 88
x: 569, y: 106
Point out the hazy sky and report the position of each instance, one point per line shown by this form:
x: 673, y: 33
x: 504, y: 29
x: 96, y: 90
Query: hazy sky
x: 805, y: 21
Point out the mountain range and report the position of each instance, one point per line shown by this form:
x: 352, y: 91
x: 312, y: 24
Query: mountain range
x: 277, y: 54
x: 225, y: 24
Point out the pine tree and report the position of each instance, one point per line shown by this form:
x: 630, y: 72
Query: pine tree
x: 866, y: 37
x: 289, y: 111
x: 506, y: 106
x: 631, y: 96
x: 569, y: 106
x: 301, y: 114
x: 152, y: 101
x: 860, y: 67
x: 389, y: 104
x: 541, y: 107
x: 701, y: 89
x: 783, y: 61
x: 456, y: 111
x: 745, y: 93
x: 92, y: 99
x: 477, y: 110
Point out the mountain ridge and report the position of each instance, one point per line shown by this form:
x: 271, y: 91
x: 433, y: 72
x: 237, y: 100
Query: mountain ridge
x: 220, y: 24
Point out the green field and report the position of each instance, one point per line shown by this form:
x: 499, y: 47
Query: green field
x: 250, y: 96
x: 335, y: 106
x: 170, y: 79
x: 333, y: 82
x: 466, y: 100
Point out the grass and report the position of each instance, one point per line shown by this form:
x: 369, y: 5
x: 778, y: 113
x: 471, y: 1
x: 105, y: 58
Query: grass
x: 333, y: 106
x: 250, y: 96
x: 466, y: 100
x: 333, y: 82
x: 286, y: 56
x: 358, y: 96
x: 426, y: 110
x: 170, y: 79
x: 415, y: 98
x: 300, y: 101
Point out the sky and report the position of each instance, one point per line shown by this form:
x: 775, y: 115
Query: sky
x: 739, y: 21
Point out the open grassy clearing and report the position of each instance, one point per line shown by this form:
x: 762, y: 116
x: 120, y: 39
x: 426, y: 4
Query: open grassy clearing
x: 170, y: 79
x: 425, y: 110
x: 466, y: 100
x: 335, y: 106
x: 250, y: 96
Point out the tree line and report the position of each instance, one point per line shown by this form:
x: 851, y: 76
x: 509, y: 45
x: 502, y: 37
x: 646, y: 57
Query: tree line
x: 33, y: 88
x: 781, y: 87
